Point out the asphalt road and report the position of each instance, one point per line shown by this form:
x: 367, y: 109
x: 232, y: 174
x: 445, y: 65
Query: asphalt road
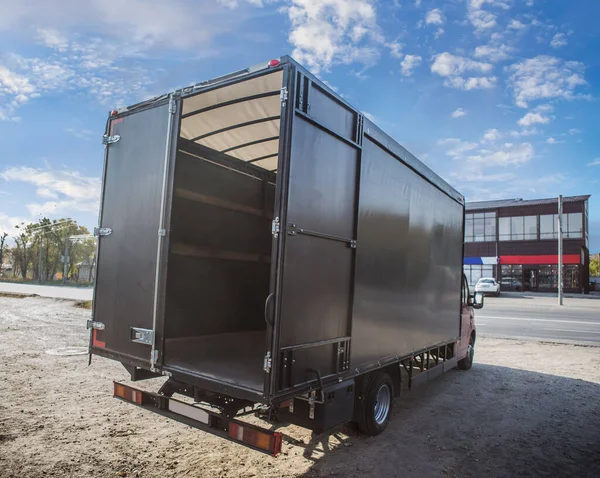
x: 57, y: 292
x: 530, y: 317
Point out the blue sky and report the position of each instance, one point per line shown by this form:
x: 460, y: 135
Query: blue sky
x: 500, y: 97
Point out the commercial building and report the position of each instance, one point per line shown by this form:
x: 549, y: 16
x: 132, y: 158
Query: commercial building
x: 516, y: 242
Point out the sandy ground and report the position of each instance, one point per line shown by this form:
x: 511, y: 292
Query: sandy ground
x: 525, y: 409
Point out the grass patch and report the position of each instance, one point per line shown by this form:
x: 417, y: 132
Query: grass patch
x: 12, y: 295
x: 84, y: 304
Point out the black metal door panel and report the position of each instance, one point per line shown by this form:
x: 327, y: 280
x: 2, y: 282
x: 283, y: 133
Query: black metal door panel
x: 317, y: 271
x: 124, y: 296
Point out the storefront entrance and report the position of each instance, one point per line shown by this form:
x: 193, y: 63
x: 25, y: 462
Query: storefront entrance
x: 530, y: 280
x: 539, y: 278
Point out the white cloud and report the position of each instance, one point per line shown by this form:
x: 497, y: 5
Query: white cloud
x: 457, y: 113
x: 138, y: 24
x: 417, y: 3
x: 456, y: 148
x: 107, y: 61
x: 445, y: 64
x: 9, y: 224
x: 477, y: 175
x: 552, y: 140
x: 72, y: 191
x: 507, y: 154
x: 329, y: 32
x: 61, y: 207
x: 395, y: 49
x: 434, y: 17
x: 523, y: 132
x: 484, y: 154
x: 517, y: 25
x: 533, y: 118
x: 544, y: 77
x: 80, y: 133
x: 491, y: 135
x: 574, y: 131
x: 547, y: 108
x: 494, y: 53
x: 471, y: 83
x: 482, y: 19
x: 409, y: 63
x: 53, y: 39
x: 438, y: 33
x: 595, y: 162
x: 559, y: 40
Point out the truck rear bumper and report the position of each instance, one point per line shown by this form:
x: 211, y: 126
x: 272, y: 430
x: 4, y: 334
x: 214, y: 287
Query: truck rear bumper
x: 259, y: 439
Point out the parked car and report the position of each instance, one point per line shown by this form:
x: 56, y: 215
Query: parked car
x: 488, y: 285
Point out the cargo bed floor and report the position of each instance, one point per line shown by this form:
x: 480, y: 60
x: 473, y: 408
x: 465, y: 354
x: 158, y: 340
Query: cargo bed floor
x: 235, y: 358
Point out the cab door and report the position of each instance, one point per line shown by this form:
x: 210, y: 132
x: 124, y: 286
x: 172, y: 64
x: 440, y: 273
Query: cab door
x: 467, y: 320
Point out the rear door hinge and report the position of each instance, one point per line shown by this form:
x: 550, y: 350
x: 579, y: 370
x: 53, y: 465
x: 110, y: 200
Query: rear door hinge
x: 172, y: 106
x: 275, y: 227
x: 267, y: 363
x: 141, y: 336
x: 283, y: 96
x: 92, y: 324
x: 102, y: 231
x: 106, y: 139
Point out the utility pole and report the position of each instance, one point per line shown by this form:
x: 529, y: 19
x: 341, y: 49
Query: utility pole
x: 560, y: 251
x: 66, y: 258
x: 40, y: 262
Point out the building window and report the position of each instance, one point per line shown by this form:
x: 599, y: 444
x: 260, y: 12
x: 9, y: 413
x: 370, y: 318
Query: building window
x: 530, y: 226
x: 518, y: 228
x: 548, y: 227
x: 548, y: 277
x: 476, y: 272
x: 571, y: 277
x: 512, y: 277
x: 480, y: 227
x: 572, y: 226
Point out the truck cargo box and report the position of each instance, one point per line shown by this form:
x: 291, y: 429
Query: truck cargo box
x: 259, y: 235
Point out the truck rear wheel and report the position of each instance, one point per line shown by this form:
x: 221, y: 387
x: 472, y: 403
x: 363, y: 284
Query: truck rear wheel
x: 467, y: 362
x: 373, y: 410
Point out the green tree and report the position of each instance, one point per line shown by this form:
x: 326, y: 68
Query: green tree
x: 21, y: 255
x: 3, y: 236
x: 594, y: 265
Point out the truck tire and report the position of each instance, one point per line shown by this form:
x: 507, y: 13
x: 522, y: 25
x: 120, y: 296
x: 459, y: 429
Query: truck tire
x: 373, y: 410
x: 467, y: 362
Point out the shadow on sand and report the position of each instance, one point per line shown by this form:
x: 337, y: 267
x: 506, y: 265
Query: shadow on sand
x: 490, y: 421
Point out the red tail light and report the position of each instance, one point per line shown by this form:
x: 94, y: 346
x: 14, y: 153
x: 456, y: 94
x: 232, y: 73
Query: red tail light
x: 262, y: 440
x: 273, y: 63
x: 128, y: 394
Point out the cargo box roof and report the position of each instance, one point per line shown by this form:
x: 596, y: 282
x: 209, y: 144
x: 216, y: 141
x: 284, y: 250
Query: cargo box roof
x: 241, y: 119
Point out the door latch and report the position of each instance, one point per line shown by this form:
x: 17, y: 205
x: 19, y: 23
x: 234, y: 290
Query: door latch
x: 102, y: 231
x: 141, y: 336
x: 92, y: 324
x: 106, y: 139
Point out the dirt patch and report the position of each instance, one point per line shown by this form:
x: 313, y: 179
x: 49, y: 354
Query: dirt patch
x: 83, y: 304
x: 525, y: 408
x: 10, y: 295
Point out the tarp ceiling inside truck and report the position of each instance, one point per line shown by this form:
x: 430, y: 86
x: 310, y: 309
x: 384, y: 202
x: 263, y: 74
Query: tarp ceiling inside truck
x: 241, y: 120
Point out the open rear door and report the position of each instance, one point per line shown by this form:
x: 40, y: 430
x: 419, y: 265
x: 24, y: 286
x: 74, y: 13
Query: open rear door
x: 318, y: 230
x: 131, y: 234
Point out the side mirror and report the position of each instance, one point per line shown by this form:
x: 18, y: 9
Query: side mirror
x: 476, y: 300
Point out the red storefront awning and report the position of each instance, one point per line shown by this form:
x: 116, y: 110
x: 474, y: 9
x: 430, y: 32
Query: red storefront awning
x: 541, y: 259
